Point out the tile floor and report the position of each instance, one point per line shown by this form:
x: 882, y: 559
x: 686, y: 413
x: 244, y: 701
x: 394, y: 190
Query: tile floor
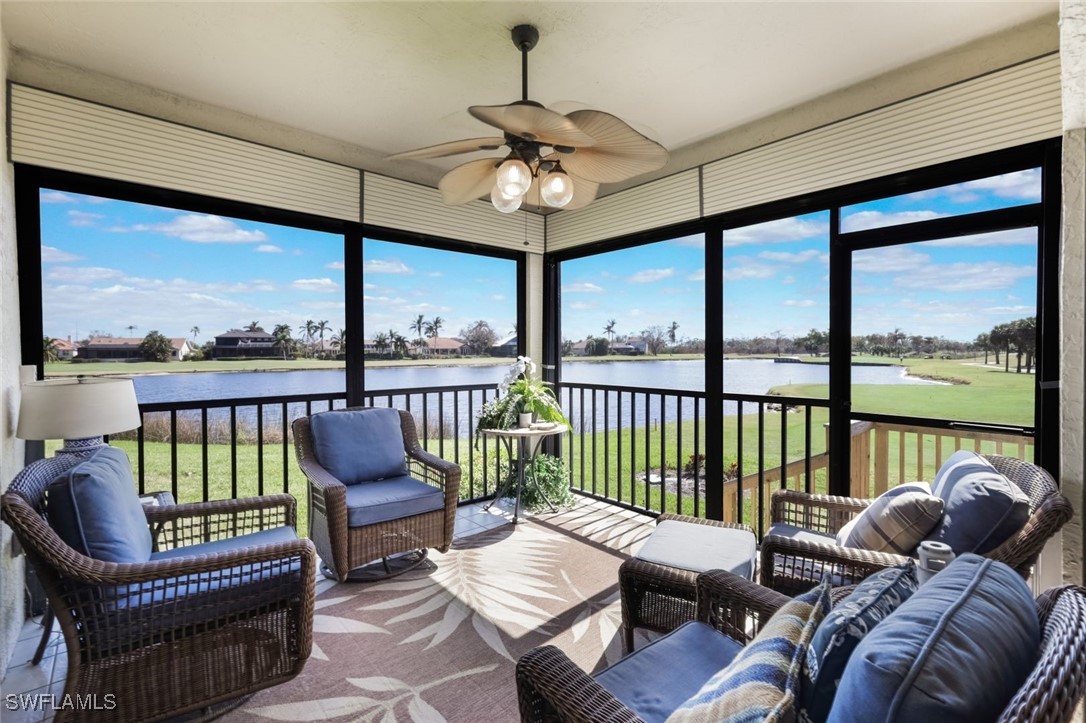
x: 38, y: 681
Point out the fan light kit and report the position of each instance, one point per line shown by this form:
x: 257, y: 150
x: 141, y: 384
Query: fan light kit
x: 554, y: 160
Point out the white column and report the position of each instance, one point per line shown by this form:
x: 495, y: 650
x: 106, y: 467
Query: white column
x: 533, y: 335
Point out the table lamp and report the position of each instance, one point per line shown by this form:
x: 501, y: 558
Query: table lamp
x: 79, y: 411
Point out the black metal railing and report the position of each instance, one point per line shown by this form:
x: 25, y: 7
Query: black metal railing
x: 645, y: 448
x: 639, y: 448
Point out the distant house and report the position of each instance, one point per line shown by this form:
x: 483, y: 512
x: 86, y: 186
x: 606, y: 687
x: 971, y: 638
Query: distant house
x: 623, y: 347
x: 506, y: 347
x: 65, y: 349
x: 639, y: 344
x: 117, y: 348
x: 237, y: 343
x: 445, y: 346
x: 581, y: 348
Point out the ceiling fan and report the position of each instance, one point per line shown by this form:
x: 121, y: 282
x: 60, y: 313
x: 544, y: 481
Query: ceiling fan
x: 554, y: 160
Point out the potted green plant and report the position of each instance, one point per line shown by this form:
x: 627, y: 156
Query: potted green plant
x: 520, y: 399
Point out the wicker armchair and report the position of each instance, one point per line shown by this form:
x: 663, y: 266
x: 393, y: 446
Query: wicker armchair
x: 180, y: 633
x: 793, y: 564
x: 344, y: 547
x: 551, y: 687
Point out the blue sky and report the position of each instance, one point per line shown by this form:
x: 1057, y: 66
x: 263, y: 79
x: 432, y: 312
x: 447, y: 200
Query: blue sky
x: 108, y: 265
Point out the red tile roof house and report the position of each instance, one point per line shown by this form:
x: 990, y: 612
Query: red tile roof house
x: 116, y: 348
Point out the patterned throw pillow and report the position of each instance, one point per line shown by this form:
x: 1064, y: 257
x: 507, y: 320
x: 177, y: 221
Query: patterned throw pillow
x: 762, y: 682
x: 897, y: 521
x: 842, y: 629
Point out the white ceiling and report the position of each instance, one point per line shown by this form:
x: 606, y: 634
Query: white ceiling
x: 391, y: 76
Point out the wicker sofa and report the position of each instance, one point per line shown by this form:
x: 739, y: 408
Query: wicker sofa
x: 551, y: 687
x: 222, y: 608
x: 792, y: 562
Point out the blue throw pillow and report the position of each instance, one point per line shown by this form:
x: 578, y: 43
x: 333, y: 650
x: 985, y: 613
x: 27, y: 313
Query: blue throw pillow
x: 842, y: 630
x: 981, y: 507
x: 95, y: 508
x: 896, y: 521
x: 762, y: 682
x: 360, y: 445
x: 955, y: 652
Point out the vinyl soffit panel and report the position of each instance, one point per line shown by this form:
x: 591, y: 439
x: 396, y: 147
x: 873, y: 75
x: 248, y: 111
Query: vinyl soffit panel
x: 65, y: 133
x: 411, y: 207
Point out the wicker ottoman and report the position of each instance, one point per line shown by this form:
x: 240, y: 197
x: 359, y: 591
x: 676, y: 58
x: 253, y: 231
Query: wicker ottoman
x: 658, y: 585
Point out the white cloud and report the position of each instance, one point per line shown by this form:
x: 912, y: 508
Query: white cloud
x: 862, y: 220
x: 583, y: 305
x: 958, y: 277
x: 83, y: 219
x: 269, y: 249
x: 698, y: 275
x: 53, y: 255
x: 435, y: 274
x: 1017, y: 185
x: 888, y: 259
x: 788, y: 280
x: 1012, y: 237
x: 781, y: 230
x: 743, y: 269
x: 497, y: 297
x: 338, y: 266
x: 803, y: 304
x: 582, y: 287
x: 324, y: 285
x: 647, y: 276
x: 82, y: 274
x: 199, y: 228
x: 55, y: 197
x: 798, y: 257
x: 384, y: 266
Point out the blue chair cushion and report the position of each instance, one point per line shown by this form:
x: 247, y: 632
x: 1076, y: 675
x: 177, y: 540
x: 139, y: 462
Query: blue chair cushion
x: 699, y: 548
x: 762, y: 683
x: 360, y: 445
x: 199, y: 598
x: 391, y: 499
x: 842, y: 630
x: 659, y: 677
x: 956, y: 651
x: 982, y: 508
x: 799, y: 534
x: 896, y: 521
x: 95, y: 508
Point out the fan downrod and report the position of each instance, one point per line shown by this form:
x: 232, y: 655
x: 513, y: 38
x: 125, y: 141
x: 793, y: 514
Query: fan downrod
x: 525, y: 37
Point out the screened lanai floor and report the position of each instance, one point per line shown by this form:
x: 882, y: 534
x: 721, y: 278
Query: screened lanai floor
x: 439, y: 642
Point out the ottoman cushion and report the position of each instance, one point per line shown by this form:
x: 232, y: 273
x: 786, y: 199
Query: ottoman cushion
x: 699, y: 548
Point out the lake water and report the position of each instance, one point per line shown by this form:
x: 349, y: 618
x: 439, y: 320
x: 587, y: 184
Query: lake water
x: 744, y: 376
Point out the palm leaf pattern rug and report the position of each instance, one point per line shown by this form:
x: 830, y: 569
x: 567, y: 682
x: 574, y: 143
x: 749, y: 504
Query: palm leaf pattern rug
x: 440, y: 643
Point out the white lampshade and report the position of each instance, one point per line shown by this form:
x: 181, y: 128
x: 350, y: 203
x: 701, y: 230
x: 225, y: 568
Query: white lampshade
x: 514, y: 177
x: 77, y: 408
x: 504, y: 203
x: 557, y: 188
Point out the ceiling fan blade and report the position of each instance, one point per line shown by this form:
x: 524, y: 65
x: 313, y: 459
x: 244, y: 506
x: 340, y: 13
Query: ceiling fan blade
x: 533, y: 123
x: 468, y: 181
x: 441, y: 150
x: 619, y: 152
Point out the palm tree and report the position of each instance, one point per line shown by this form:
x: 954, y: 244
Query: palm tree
x: 307, y: 330
x: 400, y: 344
x: 609, y: 330
x: 195, y: 331
x: 433, y: 327
x: 339, y: 341
x: 49, y: 349
x: 320, y: 327
x: 282, y: 338
x: 131, y: 328
x: 381, y: 341
x: 674, y: 327
x: 983, y: 342
x: 253, y: 326
x: 419, y: 327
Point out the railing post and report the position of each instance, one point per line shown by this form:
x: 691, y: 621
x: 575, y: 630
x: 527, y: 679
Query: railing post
x: 882, y: 460
x: 860, y: 454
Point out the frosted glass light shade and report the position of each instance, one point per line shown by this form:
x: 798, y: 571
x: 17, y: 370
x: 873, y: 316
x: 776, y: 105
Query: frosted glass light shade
x: 504, y: 203
x: 557, y: 189
x: 77, y: 408
x: 514, y: 177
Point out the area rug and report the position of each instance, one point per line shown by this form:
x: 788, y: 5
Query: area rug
x: 441, y: 644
